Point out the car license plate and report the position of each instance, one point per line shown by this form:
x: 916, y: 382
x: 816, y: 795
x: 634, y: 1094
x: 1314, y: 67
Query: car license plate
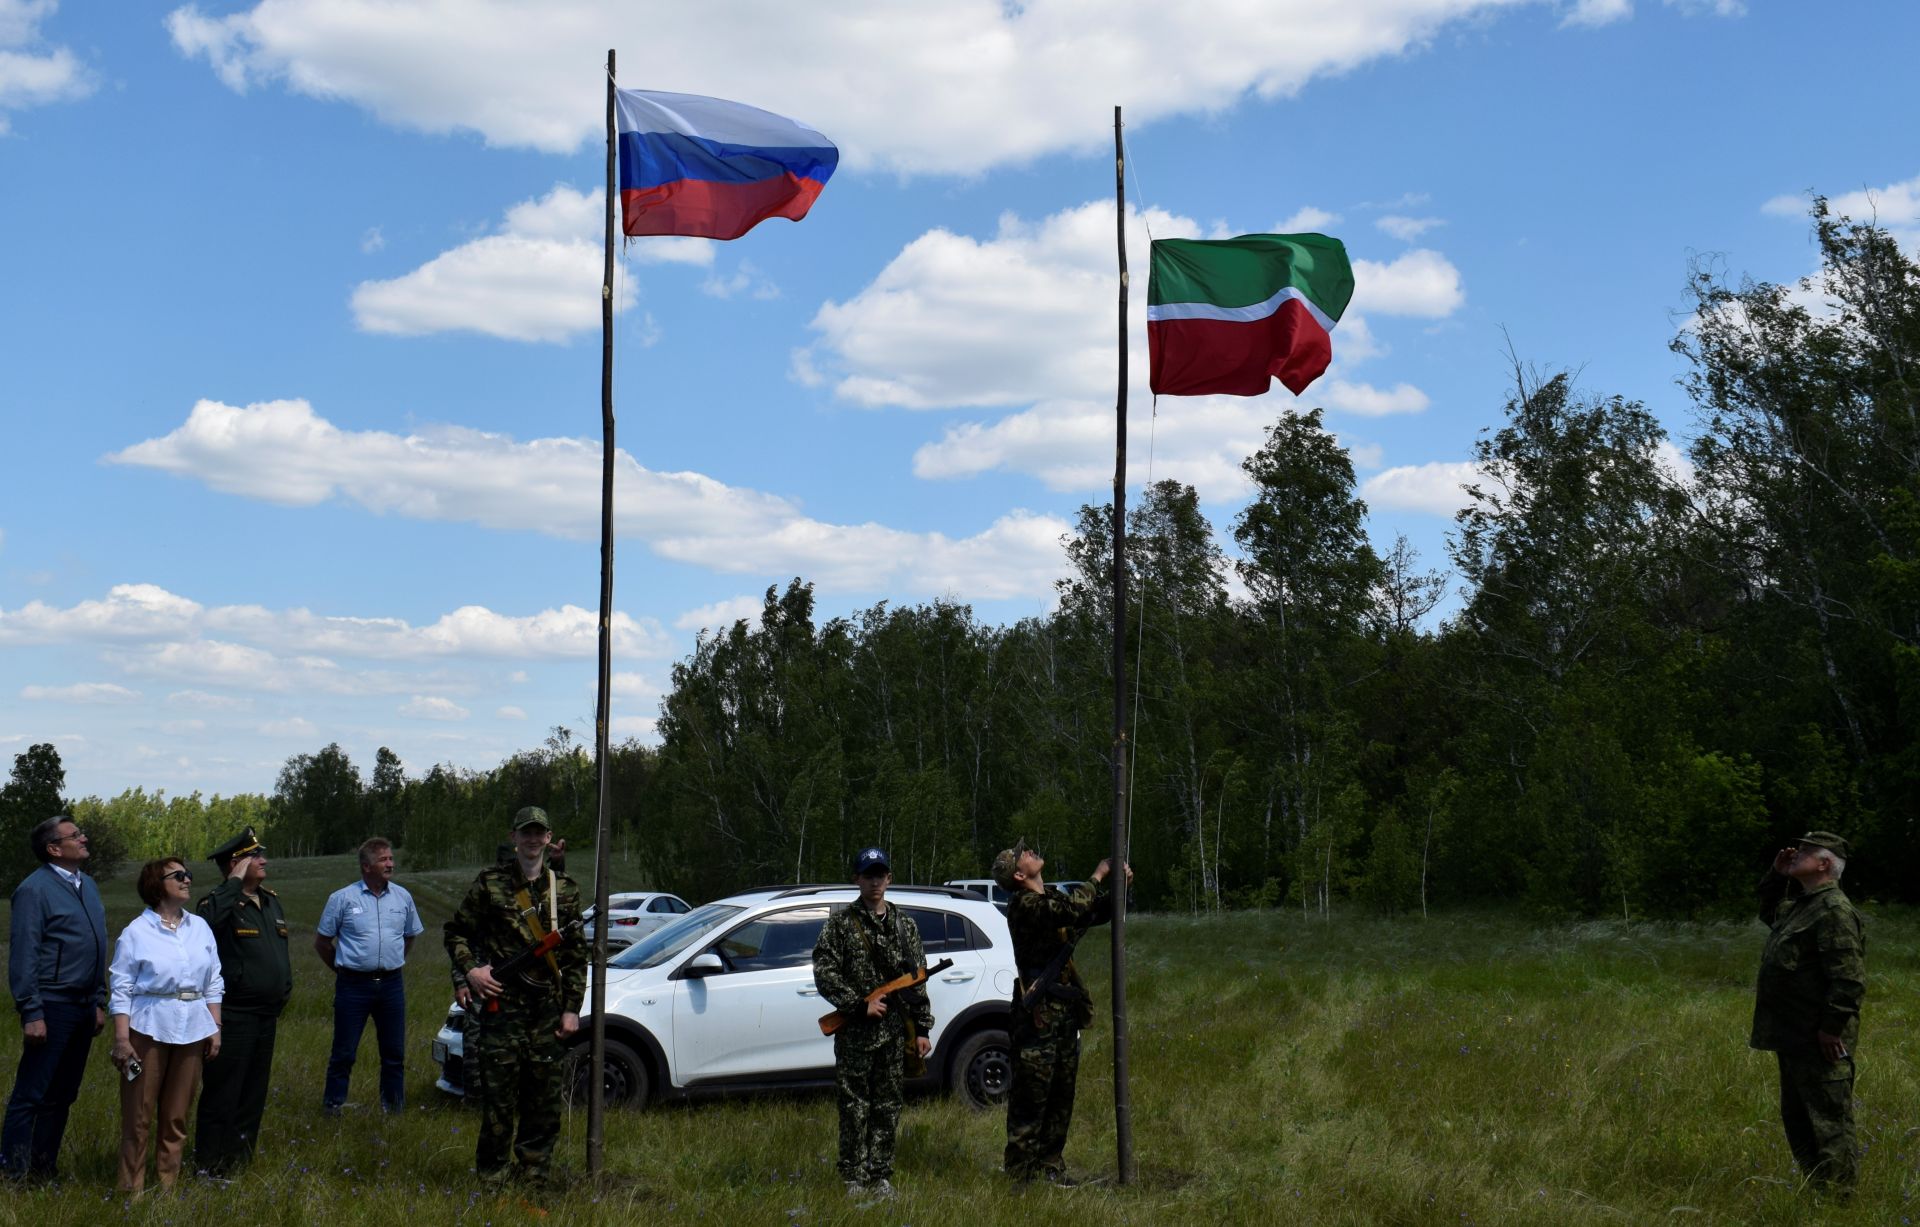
x: 439, y: 1052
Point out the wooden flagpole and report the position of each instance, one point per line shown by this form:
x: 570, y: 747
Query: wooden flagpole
x: 603, y: 775
x: 1122, y: 1105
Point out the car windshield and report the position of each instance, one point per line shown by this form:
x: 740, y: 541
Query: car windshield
x: 673, y: 937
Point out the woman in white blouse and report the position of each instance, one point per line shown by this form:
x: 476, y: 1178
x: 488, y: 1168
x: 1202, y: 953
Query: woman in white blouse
x: 165, y: 991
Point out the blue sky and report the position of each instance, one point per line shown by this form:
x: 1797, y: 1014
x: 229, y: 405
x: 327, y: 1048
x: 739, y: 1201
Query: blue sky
x: 299, y: 326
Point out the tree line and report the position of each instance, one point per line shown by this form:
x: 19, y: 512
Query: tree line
x: 1655, y: 672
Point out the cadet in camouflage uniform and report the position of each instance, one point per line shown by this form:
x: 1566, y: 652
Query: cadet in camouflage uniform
x: 1046, y: 1039
x: 516, y: 1031
x: 1806, y: 1008
x: 861, y: 947
x: 250, y: 928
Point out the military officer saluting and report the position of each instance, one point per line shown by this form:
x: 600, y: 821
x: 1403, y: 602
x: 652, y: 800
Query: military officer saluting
x: 250, y: 930
x: 518, y: 1024
x: 1806, y: 1009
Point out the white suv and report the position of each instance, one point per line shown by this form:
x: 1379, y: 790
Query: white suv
x: 723, y: 999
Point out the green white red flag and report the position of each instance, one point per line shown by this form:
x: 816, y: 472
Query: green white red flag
x: 1230, y: 315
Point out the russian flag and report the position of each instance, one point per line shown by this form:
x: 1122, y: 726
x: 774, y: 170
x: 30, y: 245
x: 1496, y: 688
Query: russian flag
x: 714, y: 169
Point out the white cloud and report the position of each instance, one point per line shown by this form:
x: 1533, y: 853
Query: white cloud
x: 31, y: 72
x: 147, y: 612
x: 634, y: 686
x: 1420, y: 283
x: 1069, y: 444
x: 433, y: 707
x: 1896, y: 207
x: 509, y: 712
x: 372, y: 240
x: 1024, y: 316
x: 955, y: 87
x: 721, y: 615
x: 1307, y: 220
x: 1369, y: 401
x: 636, y: 728
x: 200, y: 700
x: 282, y: 452
x: 81, y: 692
x: 1407, y: 229
x: 1436, y: 487
x: 1594, y: 13
x: 745, y: 280
x: 536, y: 279
x: 298, y: 726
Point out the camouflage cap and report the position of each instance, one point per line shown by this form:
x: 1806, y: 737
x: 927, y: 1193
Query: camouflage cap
x: 1828, y: 840
x: 531, y: 816
x: 244, y: 843
x: 1008, y: 861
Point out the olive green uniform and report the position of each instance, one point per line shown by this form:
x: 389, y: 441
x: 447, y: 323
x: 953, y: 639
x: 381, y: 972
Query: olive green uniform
x: 1046, y: 1039
x: 1812, y: 979
x: 856, y: 953
x: 515, y: 1058
x: 252, y: 938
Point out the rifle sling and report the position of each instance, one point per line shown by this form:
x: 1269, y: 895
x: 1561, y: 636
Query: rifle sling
x: 530, y: 917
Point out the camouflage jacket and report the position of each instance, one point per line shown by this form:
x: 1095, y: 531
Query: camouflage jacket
x: 488, y: 929
x: 1813, y: 971
x: 856, y: 953
x: 1041, y: 922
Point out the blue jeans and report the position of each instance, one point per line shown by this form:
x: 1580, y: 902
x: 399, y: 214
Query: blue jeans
x: 44, y: 1089
x: 354, y: 1001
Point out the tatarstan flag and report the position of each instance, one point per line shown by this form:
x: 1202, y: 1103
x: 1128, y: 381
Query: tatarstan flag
x: 1229, y: 315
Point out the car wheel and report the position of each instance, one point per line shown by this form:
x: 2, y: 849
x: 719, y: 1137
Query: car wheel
x: 626, y: 1082
x: 983, y: 1069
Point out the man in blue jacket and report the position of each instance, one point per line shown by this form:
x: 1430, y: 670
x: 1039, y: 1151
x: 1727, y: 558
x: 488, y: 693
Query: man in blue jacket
x: 57, y: 969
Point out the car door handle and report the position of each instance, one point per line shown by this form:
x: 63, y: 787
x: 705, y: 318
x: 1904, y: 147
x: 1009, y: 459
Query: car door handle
x: 958, y: 977
x: 808, y: 992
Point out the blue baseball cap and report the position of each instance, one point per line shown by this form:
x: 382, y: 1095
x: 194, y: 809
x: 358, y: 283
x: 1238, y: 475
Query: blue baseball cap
x: 869, y: 859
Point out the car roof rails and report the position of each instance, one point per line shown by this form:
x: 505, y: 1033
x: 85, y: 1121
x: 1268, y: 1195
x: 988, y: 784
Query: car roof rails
x: 815, y: 888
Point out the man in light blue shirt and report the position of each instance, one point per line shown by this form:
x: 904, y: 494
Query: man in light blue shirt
x: 363, y: 937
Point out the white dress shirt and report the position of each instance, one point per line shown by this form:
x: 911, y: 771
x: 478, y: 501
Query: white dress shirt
x: 152, y: 965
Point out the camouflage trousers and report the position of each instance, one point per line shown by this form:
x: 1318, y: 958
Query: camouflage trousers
x: 514, y: 1069
x: 872, y: 1090
x: 1816, y: 1106
x: 1046, y: 1067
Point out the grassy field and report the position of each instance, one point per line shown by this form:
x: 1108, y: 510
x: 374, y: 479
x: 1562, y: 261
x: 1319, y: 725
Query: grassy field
x: 1468, y: 1069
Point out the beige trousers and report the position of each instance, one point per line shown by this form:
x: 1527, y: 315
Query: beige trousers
x: 156, y: 1102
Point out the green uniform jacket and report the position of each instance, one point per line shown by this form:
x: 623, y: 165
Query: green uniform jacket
x: 487, y: 929
x: 856, y: 953
x: 1813, y: 972
x: 252, y: 939
x: 1041, y: 922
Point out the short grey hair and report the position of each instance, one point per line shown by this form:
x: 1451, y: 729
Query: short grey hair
x: 372, y: 848
x: 44, y: 832
x: 1839, y: 863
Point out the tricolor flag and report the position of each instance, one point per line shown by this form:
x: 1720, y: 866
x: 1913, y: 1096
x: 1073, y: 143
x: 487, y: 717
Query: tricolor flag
x: 1228, y: 315
x: 712, y: 168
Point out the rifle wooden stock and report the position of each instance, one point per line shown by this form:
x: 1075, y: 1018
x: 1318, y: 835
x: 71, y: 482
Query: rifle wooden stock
x: 539, y: 949
x: 829, y: 1023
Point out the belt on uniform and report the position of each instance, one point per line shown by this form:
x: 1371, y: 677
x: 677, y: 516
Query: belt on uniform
x: 185, y: 994
x: 351, y: 974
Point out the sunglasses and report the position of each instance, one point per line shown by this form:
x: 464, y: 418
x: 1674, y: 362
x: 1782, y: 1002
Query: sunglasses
x: 178, y: 875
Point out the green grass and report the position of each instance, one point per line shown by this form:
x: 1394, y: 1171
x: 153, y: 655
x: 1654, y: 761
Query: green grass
x: 1468, y: 1069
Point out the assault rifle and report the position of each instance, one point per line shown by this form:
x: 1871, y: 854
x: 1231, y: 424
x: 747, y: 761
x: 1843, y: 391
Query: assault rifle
x: 536, y: 950
x: 1040, y: 984
x: 829, y: 1023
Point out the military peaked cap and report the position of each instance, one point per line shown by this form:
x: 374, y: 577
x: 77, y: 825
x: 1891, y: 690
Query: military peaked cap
x: 1828, y: 840
x: 241, y: 844
x: 1008, y: 861
x: 531, y: 816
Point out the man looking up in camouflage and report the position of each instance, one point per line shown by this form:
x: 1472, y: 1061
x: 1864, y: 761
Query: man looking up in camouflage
x: 861, y: 947
x: 1806, y: 1008
x: 518, y: 1025
x: 1046, y: 1038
